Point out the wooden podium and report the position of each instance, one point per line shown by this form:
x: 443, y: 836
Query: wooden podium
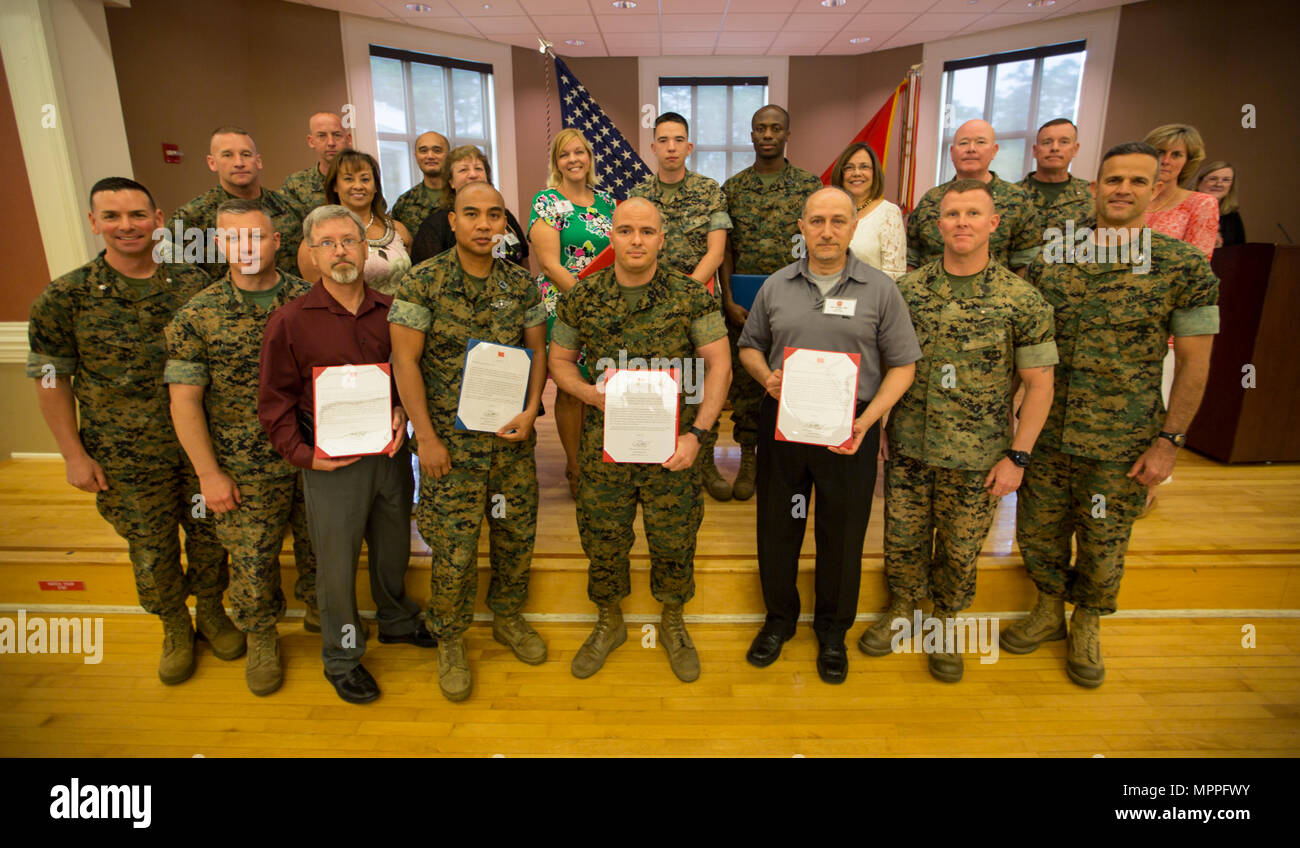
x: 1259, y: 304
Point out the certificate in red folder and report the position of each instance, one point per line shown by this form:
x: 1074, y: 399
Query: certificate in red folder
x: 819, y: 394
x: 641, y: 415
x: 353, y: 409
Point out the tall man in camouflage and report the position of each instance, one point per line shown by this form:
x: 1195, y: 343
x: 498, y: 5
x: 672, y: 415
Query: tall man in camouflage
x: 640, y: 308
x: 419, y: 201
x: 1108, y: 435
x: 233, y: 157
x: 764, y: 202
x: 1058, y: 196
x: 213, y: 345
x: 695, y: 224
x: 1018, y: 236
x: 327, y: 137
x: 463, y: 294
x: 96, y: 337
x: 951, y: 451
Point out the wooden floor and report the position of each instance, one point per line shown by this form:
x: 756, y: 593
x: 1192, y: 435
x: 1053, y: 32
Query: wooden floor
x: 1223, y: 538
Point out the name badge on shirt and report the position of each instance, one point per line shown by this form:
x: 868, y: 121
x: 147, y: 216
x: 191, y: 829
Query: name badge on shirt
x: 563, y: 206
x: 511, y: 239
x: 844, y: 306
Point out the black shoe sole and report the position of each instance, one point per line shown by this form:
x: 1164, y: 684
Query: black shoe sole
x: 404, y: 640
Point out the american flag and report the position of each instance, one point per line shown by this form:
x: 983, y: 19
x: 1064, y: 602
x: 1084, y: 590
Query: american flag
x: 618, y: 165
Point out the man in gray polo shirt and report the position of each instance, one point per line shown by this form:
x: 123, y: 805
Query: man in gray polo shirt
x: 868, y: 317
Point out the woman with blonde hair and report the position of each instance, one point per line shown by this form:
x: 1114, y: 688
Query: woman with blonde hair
x: 1178, y: 212
x: 568, y: 224
x: 878, y: 238
x: 1218, y: 179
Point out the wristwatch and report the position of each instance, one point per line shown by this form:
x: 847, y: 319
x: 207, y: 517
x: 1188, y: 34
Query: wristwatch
x: 698, y: 433
x: 1019, y: 458
x: 1179, y: 439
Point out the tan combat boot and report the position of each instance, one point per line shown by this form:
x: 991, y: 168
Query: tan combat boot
x: 453, y: 668
x: 514, y: 632
x: 216, y: 628
x: 683, y: 659
x: 609, y: 633
x: 878, y: 639
x: 718, y: 488
x: 1045, y: 623
x: 177, y: 663
x: 1083, y: 661
x: 946, y: 663
x: 262, y: 671
x: 743, y: 488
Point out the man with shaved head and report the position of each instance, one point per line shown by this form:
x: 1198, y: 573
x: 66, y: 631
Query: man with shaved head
x: 827, y: 301
x: 233, y: 157
x: 1018, y: 236
x: 326, y: 136
x: 466, y: 476
x: 418, y: 202
x: 640, y: 312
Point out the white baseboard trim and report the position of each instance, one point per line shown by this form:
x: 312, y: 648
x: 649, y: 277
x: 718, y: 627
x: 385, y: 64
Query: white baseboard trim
x: 41, y: 457
x: 13, y: 343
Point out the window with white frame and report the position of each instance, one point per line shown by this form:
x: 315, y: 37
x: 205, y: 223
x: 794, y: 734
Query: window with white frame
x: 719, y: 110
x: 418, y: 92
x: 1015, y: 92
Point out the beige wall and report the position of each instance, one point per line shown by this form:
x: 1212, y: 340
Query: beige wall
x: 1197, y: 62
x: 185, y: 67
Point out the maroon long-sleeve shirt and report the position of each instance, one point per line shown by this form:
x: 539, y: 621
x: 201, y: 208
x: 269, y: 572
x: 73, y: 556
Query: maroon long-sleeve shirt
x: 314, y: 331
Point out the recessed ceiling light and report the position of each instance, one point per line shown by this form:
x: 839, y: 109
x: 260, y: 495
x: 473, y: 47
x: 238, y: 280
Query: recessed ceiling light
x: 624, y: 4
x: 419, y: 7
x: 1034, y: 4
x: 576, y: 42
x: 861, y: 39
x: 831, y: 4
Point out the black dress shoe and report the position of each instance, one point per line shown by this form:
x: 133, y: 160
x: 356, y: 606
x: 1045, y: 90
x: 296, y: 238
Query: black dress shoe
x: 420, y: 637
x: 833, y: 662
x: 355, y: 685
x: 766, y: 647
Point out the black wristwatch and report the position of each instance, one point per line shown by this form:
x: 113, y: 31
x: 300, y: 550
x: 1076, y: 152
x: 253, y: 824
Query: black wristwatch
x: 698, y: 433
x: 1019, y: 458
x: 1178, y: 439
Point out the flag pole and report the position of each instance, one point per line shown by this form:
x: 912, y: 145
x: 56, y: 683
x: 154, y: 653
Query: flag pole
x: 907, y: 162
x: 548, y: 59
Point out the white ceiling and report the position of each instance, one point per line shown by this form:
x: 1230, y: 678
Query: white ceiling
x: 715, y: 27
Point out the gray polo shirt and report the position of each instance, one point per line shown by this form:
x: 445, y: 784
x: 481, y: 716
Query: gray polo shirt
x: 789, y: 312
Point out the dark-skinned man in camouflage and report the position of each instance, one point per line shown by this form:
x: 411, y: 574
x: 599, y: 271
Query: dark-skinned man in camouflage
x: 1058, y: 196
x: 1019, y: 234
x: 213, y: 346
x: 764, y: 202
x: 695, y: 224
x: 327, y: 137
x: 419, y: 201
x: 640, y: 308
x: 233, y: 157
x: 468, y: 293
x: 1118, y: 295
x: 951, y: 452
x: 96, y: 337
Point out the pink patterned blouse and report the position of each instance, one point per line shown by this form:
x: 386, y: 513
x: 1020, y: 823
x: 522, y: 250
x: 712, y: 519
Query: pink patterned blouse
x: 1195, y: 221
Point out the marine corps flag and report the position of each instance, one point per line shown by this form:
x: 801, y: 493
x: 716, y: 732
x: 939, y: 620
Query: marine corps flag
x: 617, y: 164
x: 877, y: 133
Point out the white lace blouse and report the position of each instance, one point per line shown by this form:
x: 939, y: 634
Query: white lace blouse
x: 880, y: 240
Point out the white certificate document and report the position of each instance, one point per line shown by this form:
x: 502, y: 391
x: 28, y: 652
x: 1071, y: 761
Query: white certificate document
x: 640, y: 415
x: 354, y: 409
x: 494, y: 387
x: 819, y: 391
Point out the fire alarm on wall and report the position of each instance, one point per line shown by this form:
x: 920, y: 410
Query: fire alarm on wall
x: 171, y: 153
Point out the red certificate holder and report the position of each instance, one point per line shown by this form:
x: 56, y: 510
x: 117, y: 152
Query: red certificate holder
x: 821, y: 358
x: 316, y: 372
x: 677, y: 415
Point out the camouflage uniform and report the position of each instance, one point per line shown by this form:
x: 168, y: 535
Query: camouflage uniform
x: 953, y: 424
x: 697, y: 208
x: 91, y: 326
x: 765, y: 219
x: 1074, y: 203
x: 674, y: 318
x: 434, y: 299
x: 416, y: 204
x: 306, y: 188
x: 215, y: 342
x: 201, y: 212
x: 1112, y: 327
x: 1013, y: 244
